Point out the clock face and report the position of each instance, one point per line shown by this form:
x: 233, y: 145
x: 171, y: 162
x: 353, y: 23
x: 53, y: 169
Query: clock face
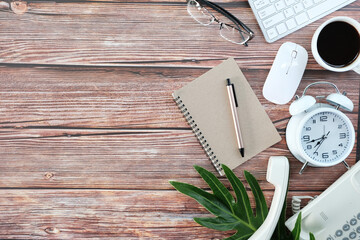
x: 327, y: 137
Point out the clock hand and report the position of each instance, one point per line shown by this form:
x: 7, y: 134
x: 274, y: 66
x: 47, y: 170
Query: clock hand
x: 318, y: 143
x: 321, y: 141
x: 315, y: 139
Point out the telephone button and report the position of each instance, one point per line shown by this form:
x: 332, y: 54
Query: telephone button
x: 352, y: 235
x: 339, y: 233
x: 346, y: 227
x: 353, y: 221
x: 358, y: 229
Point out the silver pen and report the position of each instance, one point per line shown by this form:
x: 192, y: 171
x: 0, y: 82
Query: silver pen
x: 233, y: 105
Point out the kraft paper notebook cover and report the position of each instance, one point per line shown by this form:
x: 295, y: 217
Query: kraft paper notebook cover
x: 205, y: 105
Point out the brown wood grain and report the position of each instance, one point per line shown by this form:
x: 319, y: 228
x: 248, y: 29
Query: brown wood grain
x: 120, y: 214
x: 90, y: 135
x: 124, y: 97
x: 127, y: 159
x: 134, y: 34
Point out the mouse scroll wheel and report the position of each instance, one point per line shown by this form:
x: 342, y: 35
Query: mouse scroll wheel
x: 294, y: 54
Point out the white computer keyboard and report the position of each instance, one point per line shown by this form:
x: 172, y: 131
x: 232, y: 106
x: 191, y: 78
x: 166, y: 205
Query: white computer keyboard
x: 278, y: 18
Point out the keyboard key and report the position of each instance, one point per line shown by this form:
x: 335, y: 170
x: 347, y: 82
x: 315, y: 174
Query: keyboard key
x: 271, y: 21
x: 308, y: 3
x: 301, y: 18
x: 291, y: 23
x: 261, y: 3
x: 267, y: 11
x: 298, y: 7
x: 289, y: 12
x: 272, y: 33
x: 281, y: 28
x: 280, y: 5
x: 289, y: 2
x: 322, y: 8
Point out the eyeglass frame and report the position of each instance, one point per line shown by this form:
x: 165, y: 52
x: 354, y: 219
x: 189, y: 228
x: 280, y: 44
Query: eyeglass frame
x: 230, y: 16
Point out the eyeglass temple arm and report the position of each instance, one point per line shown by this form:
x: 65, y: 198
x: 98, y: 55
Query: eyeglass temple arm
x: 227, y: 14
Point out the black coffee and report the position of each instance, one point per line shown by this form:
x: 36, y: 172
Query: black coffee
x: 338, y: 44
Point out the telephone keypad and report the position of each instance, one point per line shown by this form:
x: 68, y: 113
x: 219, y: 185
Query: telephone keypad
x: 350, y: 230
x: 346, y: 227
x: 353, y: 221
x: 339, y: 233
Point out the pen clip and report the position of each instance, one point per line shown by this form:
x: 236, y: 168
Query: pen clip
x: 233, y: 91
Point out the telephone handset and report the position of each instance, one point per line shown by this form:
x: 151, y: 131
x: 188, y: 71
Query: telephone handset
x: 334, y: 214
x: 278, y: 175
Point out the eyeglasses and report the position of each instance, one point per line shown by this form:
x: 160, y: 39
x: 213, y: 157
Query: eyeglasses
x: 232, y: 29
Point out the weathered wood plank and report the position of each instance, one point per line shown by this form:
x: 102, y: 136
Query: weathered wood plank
x: 126, y: 34
x: 105, y: 214
x: 127, y: 159
x: 124, y: 97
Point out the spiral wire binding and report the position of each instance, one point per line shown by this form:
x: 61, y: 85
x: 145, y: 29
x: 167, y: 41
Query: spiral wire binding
x: 198, y: 134
x: 296, y: 202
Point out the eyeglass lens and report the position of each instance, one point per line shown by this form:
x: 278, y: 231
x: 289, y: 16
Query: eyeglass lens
x: 199, y: 13
x: 228, y: 31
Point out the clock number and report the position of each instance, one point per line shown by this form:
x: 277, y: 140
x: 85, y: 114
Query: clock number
x: 314, y: 121
x: 325, y: 155
x: 323, y: 118
x: 306, y: 138
x: 340, y: 126
x: 340, y: 145
x: 308, y: 147
x: 308, y: 128
x: 334, y: 152
x: 342, y: 135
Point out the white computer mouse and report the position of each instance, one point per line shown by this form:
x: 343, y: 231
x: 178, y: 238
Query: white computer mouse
x: 286, y: 73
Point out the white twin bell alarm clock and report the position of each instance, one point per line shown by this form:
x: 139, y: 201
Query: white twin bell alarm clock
x: 318, y: 134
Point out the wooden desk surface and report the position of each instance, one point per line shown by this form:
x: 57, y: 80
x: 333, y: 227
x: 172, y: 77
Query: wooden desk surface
x: 89, y: 133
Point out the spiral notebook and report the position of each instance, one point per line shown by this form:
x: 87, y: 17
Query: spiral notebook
x: 205, y: 105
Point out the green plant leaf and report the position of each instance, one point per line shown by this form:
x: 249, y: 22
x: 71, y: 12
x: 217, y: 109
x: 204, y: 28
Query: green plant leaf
x: 240, y: 236
x: 281, y: 232
x: 219, y: 190
x: 217, y: 223
x: 208, y: 200
x: 235, y: 215
x: 243, y: 207
x: 213, y: 205
x: 297, y: 229
x: 261, y: 207
x: 312, y: 237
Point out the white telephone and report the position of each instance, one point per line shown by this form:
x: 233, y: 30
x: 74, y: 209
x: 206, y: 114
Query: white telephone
x: 278, y: 175
x: 335, y: 214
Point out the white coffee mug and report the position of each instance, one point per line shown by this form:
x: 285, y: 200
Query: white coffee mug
x: 354, y: 65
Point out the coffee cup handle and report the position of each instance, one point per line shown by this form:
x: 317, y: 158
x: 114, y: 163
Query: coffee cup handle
x: 357, y: 69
